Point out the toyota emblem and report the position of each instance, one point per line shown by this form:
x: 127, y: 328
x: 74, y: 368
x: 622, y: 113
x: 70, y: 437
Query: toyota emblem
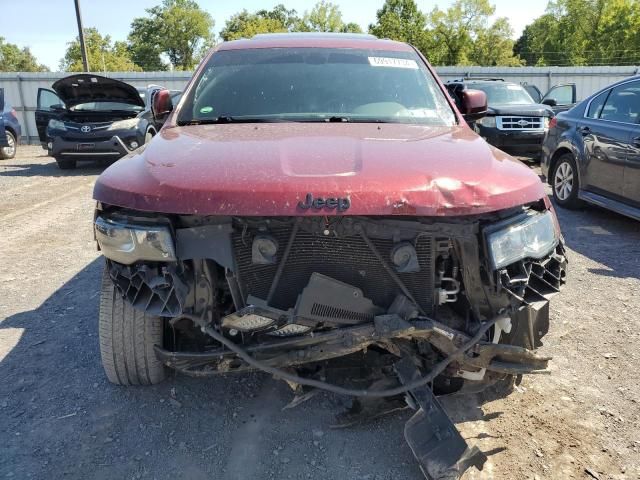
x: 85, y: 128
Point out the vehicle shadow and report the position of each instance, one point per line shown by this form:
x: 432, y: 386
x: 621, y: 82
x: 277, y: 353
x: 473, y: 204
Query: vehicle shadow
x: 62, y: 417
x: 12, y: 168
x: 607, y: 238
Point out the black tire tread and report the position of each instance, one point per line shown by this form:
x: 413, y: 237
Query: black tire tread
x: 127, y: 337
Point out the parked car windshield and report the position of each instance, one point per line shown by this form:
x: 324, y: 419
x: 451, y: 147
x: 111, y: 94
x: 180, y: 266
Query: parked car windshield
x: 316, y: 84
x: 505, y: 94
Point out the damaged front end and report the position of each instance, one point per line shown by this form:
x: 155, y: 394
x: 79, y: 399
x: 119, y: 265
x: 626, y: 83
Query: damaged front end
x: 423, y: 305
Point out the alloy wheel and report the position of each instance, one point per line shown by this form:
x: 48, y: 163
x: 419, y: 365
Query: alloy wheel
x: 563, y: 181
x: 11, y: 149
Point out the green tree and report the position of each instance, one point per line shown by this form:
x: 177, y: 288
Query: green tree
x: 179, y: 29
x: 102, y: 55
x: 401, y: 20
x: 326, y: 17
x: 457, y: 28
x: 246, y: 25
x: 493, y: 46
x: 583, y: 32
x: 537, y: 38
x: 145, y: 45
x: 16, y: 59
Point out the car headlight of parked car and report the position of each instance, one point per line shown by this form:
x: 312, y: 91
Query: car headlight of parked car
x: 489, y: 122
x: 547, y: 120
x: 534, y: 236
x: 126, y: 243
x: 57, y: 125
x: 124, y: 124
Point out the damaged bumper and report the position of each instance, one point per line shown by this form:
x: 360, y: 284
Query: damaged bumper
x: 438, y: 306
x: 299, y: 350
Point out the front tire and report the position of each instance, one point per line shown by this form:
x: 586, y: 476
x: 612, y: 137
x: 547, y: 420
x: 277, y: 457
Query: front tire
x: 565, y: 182
x: 127, y: 337
x: 9, y: 152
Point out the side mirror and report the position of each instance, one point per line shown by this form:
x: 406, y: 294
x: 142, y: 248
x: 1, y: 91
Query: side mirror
x: 161, y: 106
x: 473, y: 104
x: 552, y: 102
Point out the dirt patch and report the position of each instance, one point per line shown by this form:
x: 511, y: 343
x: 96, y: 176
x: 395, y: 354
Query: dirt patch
x: 61, y: 418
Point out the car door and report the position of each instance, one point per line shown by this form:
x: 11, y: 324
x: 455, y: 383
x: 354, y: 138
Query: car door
x: 534, y: 91
x: 631, y: 188
x: 560, y: 97
x: 3, y: 133
x: 49, y: 107
x: 607, y: 130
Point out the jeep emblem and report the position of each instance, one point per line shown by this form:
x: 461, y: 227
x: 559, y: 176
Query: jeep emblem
x: 332, y: 203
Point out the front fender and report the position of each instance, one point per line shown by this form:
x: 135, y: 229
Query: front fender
x: 567, y: 143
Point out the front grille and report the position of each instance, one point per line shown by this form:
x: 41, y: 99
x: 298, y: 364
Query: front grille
x: 94, y: 126
x: 345, y: 258
x: 520, y: 123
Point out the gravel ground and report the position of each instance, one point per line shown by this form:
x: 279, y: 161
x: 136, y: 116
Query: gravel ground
x: 61, y: 418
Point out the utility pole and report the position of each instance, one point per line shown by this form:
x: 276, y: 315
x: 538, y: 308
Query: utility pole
x: 83, y: 47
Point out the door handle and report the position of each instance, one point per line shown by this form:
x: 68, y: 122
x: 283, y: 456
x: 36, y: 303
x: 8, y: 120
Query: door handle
x: 584, y: 130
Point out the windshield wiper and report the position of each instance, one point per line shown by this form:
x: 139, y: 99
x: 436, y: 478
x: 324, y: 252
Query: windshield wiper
x: 228, y: 119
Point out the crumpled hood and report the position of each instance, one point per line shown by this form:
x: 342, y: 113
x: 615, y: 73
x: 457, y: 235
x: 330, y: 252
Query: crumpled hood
x: 533, y: 110
x: 267, y: 169
x: 87, y: 87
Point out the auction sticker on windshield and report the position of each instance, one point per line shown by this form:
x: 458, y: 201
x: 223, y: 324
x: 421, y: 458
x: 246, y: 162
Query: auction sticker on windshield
x: 393, y: 62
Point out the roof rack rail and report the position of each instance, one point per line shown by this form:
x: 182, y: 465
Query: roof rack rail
x: 491, y: 79
x: 278, y: 35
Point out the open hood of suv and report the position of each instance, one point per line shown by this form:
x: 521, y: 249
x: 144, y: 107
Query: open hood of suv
x: 86, y: 87
x: 269, y: 168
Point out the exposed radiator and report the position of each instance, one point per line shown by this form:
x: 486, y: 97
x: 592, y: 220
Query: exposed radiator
x: 347, y: 259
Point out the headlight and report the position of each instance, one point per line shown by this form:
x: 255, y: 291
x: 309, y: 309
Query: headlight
x: 127, y: 244
x: 57, y: 125
x: 124, y: 124
x: 489, y: 122
x: 533, y: 237
x: 546, y: 123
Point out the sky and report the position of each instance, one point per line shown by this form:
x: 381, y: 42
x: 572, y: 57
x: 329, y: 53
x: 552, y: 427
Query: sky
x: 45, y: 26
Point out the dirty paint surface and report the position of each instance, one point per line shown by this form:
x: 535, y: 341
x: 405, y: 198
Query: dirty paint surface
x: 266, y: 169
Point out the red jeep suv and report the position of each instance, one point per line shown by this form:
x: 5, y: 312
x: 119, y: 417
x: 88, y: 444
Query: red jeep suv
x: 320, y: 196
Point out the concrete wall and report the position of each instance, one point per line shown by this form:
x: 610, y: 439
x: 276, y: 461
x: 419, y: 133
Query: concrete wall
x: 21, y: 89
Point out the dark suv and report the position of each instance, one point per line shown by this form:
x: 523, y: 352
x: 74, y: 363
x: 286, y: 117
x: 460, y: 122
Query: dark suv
x: 88, y: 117
x: 514, y: 121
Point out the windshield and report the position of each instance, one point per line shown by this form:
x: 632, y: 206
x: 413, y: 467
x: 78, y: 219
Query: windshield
x: 504, y: 94
x: 316, y: 84
x: 105, y: 107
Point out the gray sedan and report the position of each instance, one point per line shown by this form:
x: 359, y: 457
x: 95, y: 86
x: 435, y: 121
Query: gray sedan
x: 591, y: 153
